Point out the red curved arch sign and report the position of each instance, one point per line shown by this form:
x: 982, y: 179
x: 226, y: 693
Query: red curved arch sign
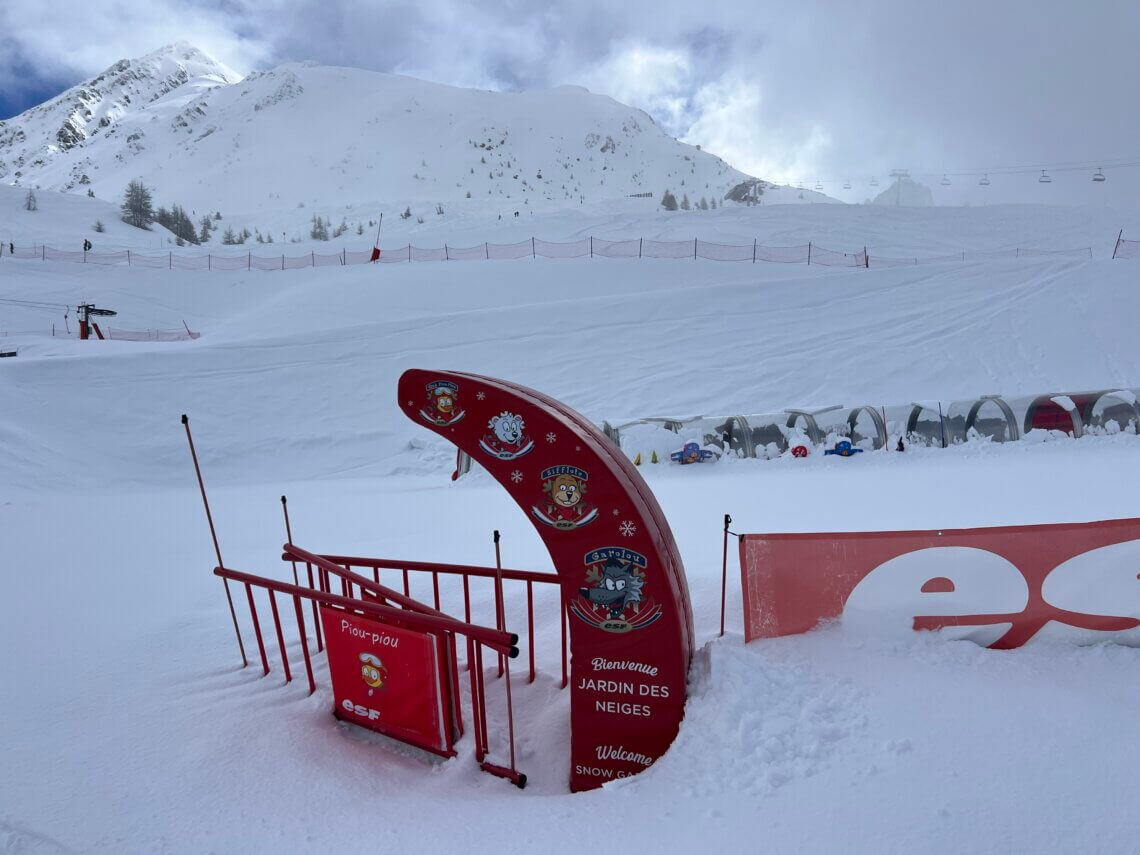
x: 631, y: 626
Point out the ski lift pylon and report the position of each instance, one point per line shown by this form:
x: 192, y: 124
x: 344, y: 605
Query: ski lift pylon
x: 1098, y: 175
x: 984, y: 181
x: 1044, y: 178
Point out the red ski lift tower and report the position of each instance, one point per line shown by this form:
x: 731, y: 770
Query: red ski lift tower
x: 86, y: 311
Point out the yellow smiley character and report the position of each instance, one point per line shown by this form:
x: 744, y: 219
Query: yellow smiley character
x: 372, y: 670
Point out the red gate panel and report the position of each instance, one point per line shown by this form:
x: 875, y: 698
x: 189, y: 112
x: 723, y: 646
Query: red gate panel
x: 997, y: 586
x: 388, y: 679
x: 623, y: 583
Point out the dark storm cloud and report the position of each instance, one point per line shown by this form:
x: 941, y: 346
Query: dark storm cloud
x: 789, y: 90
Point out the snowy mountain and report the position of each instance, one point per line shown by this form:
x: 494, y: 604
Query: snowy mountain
x: 906, y: 191
x: 331, y: 139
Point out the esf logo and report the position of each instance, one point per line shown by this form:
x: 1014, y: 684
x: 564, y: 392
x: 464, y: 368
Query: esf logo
x: 360, y: 710
x: 977, y: 594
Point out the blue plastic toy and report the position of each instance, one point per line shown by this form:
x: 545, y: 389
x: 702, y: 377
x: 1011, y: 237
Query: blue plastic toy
x: 843, y: 448
x: 691, y: 453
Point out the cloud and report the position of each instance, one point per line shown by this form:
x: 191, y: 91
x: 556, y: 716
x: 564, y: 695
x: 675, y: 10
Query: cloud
x: 789, y: 90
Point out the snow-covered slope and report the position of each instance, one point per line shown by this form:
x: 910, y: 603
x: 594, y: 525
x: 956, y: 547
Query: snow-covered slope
x: 65, y: 220
x: 127, y: 726
x: 304, y: 134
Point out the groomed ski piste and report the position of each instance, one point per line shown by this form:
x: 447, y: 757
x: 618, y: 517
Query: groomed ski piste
x: 129, y: 726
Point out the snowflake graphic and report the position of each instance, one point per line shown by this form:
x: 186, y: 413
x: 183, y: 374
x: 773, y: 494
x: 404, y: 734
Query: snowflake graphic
x: 411, y: 403
x: 479, y: 396
x: 628, y: 528
x: 551, y: 437
x: 516, y: 476
x: 615, y: 512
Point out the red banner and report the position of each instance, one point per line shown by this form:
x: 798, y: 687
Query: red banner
x: 999, y: 587
x: 388, y: 679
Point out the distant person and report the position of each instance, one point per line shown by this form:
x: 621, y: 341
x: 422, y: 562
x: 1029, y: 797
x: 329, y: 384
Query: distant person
x: 11, y: 249
x: 86, y: 245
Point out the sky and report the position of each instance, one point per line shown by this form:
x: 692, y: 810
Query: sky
x: 811, y: 92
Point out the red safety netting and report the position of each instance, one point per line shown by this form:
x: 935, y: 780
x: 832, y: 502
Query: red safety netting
x: 724, y: 251
x: 468, y: 253
x: 524, y: 249
x: 617, y: 248
x: 150, y: 335
x: 573, y: 249
x: 334, y: 260
x: 433, y: 254
x: 1127, y: 249
x: 783, y: 254
x: 833, y: 258
x: 668, y: 249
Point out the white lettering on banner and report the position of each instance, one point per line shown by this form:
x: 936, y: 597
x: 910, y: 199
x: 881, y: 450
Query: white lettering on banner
x: 980, y: 582
x: 622, y: 708
x: 1090, y: 597
x: 602, y: 664
x: 380, y: 639
x: 610, y: 752
x: 612, y: 686
x: 593, y: 771
x: 360, y: 710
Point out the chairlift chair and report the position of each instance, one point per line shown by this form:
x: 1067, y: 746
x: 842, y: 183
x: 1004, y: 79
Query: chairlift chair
x: 1098, y: 175
x: 984, y: 181
x: 1044, y: 178
x: 818, y: 185
x: 945, y: 181
x: 846, y: 185
x: 874, y: 181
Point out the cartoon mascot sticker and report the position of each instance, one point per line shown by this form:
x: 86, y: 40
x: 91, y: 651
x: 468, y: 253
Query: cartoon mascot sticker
x: 372, y: 671
x: 612, y: 599
x: 507, y: 439
x: 565, y: 506
x: 442, y: 404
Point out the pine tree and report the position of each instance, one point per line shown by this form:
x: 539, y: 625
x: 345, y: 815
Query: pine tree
x: 669, y: 201
x: 136, y: 208
x: 704, y: 205
x: 685, y: 206
x: 204, y: 226
x: 360, y: 228
x: 99, y: 227
x: 318, y: 230
x: 228, y: 236
x: 30, y: 203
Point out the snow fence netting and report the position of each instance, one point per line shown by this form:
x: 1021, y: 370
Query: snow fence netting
x: 575, y: 249
x: 617, y: 248
x: 467, y: 253
x: 724, y: 251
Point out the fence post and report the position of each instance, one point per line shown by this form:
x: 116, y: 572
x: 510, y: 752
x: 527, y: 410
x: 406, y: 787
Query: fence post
x: 312, y: 258
x: 409, y: 253
x: 532, y: 254
x: 753, y: 250
x: 249, y: 261
x: 591, y: 246
x: 640, y: 241
x: 170, y: 260
x: 343, y: 256
x: 1115, y: 248
x: 867, y: 258
x: 282, y: 261
x: 694, y: 249
x: 209, y: 261
x: 43, y: 252
x: 486, y: 251
x: 809, y: 252
x: 128, y: 258
x: 1017, y: 252
x: 446, y: 256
